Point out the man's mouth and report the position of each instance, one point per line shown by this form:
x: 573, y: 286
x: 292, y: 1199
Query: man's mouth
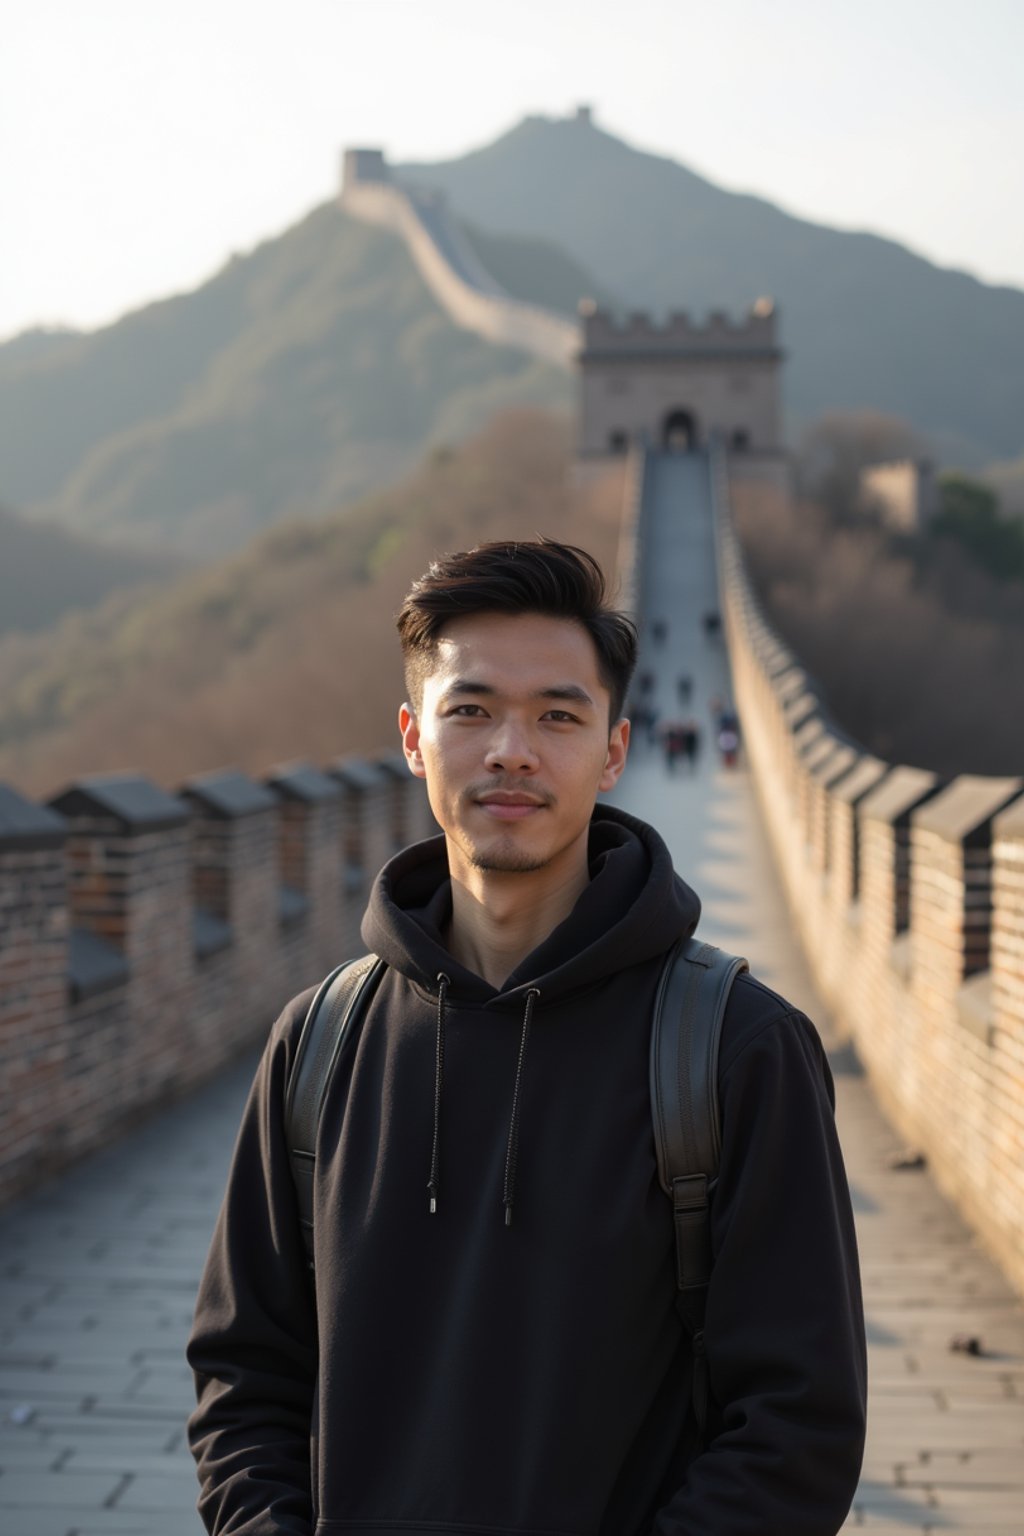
x: 507, y: 806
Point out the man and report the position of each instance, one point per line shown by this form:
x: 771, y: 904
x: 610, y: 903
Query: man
x: 493, y: 1344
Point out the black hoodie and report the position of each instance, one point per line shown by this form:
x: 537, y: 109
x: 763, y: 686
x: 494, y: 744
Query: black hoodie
x: 513, y: 1361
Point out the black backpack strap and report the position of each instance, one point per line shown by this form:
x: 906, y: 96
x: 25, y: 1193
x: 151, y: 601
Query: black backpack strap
x: 340, y: 1001
x: 687, y: 1027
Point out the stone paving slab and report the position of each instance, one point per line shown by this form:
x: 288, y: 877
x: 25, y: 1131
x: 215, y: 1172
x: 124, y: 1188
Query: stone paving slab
x: 50, y: 1522
x: 74, y: 1491
x: 177, y: 1466
x: 159, y: 1491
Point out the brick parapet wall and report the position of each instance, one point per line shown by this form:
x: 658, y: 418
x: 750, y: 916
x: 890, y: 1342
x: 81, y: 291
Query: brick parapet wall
x: 311, y: 860
x: 236, y: 878
x: 144, y: 938
x: 33, y: 994
x: 924, y: 967
x: 1007, y: 955
x: 368, y: 830
x: 878, y: 889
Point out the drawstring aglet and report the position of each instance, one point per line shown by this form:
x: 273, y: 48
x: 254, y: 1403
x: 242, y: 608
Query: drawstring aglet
x: 433, y: 1205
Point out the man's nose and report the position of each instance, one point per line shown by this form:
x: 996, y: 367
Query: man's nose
x: 512, y: 749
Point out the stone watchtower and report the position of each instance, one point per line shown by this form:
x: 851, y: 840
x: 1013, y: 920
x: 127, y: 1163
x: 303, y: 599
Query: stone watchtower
x: 673, y: 385
x: 359, y: 166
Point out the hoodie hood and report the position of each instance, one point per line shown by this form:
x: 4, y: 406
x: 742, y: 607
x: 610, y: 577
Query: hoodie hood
x: 634, y: 908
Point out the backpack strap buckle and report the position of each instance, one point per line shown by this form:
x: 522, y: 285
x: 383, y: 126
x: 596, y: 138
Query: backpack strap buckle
x: 693, y: 1246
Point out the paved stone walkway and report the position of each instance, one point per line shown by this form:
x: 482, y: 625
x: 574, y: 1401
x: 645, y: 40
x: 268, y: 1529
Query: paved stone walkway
x: 98, y: 1272
x: 97, y: 1282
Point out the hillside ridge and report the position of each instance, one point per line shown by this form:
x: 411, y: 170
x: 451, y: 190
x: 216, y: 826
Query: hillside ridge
x: 286, y: 648
x: 46, y: 571
x: 301, y: 377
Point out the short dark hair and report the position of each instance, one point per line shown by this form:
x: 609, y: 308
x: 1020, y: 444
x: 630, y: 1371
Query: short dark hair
x: 542, y: 576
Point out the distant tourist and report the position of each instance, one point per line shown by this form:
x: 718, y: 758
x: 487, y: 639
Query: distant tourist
x: 644, y: 718
x: 691, y: 741
x: 673, y: 742
x: 446, y: 1290
x: 728, y: 745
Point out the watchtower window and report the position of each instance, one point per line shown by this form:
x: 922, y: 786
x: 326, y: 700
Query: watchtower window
x: 618, y: 442
x: 741, y: 439
x: 679, y: 431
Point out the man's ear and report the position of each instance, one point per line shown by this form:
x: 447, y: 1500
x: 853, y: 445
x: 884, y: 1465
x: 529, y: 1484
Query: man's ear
x: 409, y: 727
x: 618, y: 746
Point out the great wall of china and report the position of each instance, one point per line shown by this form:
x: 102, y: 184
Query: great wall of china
x: 449, y: 265
x: 145, y: 938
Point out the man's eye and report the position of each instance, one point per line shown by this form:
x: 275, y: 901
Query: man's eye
x: 465, y: 709
x: 561, y: 716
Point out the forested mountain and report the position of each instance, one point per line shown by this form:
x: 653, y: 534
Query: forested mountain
x: 46, y: 571
x: 864, y: 321
x: 300, y: 377
x: 288, y: 648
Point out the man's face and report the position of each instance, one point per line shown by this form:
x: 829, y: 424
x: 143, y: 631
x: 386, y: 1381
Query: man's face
x: 512, y: 738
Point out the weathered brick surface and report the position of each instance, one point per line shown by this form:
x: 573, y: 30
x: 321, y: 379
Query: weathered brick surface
x: 34, y: 1034
x: 75, y: 1071
x: 1008, y: 947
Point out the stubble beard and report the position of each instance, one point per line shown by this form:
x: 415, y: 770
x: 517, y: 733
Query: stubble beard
x: 504, y: 857
x: 511, y: 861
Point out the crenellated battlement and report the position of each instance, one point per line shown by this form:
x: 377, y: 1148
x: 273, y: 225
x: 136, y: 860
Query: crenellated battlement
x: 680, y: 380
x: 678, y: 334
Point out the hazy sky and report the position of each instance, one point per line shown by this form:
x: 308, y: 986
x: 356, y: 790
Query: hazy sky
x: 142, y: 143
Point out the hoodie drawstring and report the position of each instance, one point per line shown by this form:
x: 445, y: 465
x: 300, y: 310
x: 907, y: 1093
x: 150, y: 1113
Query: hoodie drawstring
x: 513, y: 1130
x: 434, y: 1184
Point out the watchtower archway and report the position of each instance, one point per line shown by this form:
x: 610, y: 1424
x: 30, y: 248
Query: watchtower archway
x: 677, y: 383
x: 679, y: 430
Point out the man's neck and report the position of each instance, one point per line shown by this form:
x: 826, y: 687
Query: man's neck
x: 499, y: 918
